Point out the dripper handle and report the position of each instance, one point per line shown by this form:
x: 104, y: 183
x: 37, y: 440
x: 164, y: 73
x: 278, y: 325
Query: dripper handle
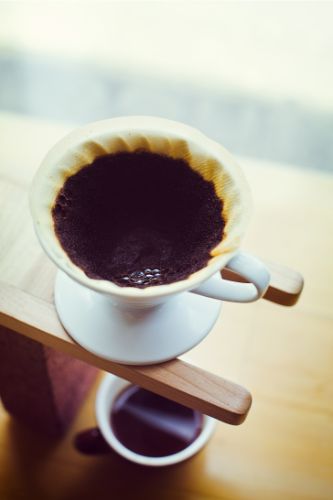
x: 285, y: 287
x: 251, y: 269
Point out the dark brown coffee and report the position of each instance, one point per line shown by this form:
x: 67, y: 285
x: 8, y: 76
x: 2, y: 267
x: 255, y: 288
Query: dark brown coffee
x: 138, y: 219
x: 151, y: 425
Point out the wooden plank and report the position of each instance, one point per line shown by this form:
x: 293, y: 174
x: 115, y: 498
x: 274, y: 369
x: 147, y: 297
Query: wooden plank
x: 177, y: 380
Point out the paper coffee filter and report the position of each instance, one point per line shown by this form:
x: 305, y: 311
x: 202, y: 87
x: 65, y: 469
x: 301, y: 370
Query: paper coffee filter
x: 130, y: 134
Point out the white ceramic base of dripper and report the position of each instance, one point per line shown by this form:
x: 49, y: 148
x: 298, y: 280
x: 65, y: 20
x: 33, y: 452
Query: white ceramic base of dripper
x: 133, y: 336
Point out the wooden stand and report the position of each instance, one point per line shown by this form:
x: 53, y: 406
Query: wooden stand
x: 63, y: 382
x: 40, y: 386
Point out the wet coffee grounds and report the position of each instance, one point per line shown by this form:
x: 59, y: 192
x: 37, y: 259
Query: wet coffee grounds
x: 138, y: 219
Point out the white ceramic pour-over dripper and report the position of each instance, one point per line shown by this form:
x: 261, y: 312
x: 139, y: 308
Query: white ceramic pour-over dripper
x: 143, y: 326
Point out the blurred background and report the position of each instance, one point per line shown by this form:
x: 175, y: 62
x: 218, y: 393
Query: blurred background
x: 256, y: 76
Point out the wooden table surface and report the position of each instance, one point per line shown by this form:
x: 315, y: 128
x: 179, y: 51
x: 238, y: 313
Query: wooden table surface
x: 284, y: 356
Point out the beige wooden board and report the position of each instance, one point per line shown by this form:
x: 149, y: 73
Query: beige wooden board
x: 284, y: 356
